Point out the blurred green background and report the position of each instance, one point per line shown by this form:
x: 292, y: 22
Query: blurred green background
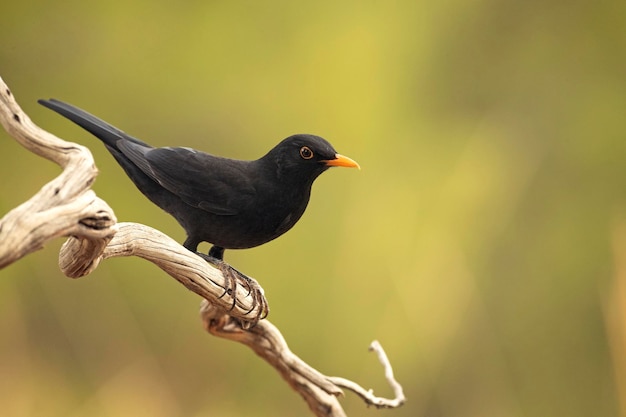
x: 483, y: 243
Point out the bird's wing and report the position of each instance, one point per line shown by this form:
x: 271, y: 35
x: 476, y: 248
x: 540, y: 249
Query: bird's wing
x: 216, y: 185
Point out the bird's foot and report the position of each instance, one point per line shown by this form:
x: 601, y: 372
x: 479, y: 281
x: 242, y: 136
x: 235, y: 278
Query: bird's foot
x: 233, y: 277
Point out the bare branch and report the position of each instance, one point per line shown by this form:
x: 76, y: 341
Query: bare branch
x: 79, y: 257
x: 67, y: 206
x: 319, y: 391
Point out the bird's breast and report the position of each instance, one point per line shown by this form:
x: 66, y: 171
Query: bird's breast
x: 276, y: 213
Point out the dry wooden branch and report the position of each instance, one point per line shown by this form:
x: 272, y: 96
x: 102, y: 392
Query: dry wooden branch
x: 319, y: 391
x: 67, y: 206
x: 79, y: 257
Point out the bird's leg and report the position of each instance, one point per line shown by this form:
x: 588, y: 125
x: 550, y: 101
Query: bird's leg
x: 217, y: 252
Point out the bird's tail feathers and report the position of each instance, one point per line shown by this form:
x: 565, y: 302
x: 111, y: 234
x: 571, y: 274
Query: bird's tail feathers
x: 102, y: 130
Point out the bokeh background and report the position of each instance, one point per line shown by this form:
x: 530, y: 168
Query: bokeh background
x: 483, y: 243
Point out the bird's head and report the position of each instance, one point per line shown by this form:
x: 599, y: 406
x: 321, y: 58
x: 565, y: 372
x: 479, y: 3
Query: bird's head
x: 306, y: 157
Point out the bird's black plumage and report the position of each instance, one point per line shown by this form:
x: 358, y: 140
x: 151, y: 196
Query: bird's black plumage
x: 229, y: 203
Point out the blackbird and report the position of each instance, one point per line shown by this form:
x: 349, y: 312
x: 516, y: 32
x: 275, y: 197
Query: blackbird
x: 229, y: 203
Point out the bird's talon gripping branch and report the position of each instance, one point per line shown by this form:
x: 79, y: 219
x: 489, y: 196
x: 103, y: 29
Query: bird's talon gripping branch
x: 236, y: 279
x: 231, y: 275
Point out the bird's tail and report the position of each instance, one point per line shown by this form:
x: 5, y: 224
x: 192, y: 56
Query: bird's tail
x: 107, y: 133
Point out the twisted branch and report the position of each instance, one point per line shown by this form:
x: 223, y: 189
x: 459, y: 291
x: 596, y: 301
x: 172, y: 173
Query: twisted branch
x: 67, y: 206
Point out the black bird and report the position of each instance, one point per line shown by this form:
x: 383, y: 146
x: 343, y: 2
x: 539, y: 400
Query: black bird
x: 229, y: 203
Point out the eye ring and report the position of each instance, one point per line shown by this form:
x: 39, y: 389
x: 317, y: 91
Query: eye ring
x: 306, y: 152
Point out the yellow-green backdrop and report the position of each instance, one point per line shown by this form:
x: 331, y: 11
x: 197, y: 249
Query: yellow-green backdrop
x: 481, y: 243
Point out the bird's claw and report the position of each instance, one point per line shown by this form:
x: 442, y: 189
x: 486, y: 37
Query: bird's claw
x: 233, y: 277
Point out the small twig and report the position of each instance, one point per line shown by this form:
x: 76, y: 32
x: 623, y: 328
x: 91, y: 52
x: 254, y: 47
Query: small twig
x: 367, y: 395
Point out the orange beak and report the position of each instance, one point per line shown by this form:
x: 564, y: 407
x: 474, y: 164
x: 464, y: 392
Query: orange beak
x: 341, y: 161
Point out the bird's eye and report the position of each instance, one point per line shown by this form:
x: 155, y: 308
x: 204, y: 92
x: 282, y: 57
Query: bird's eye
x: 306, y: 152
